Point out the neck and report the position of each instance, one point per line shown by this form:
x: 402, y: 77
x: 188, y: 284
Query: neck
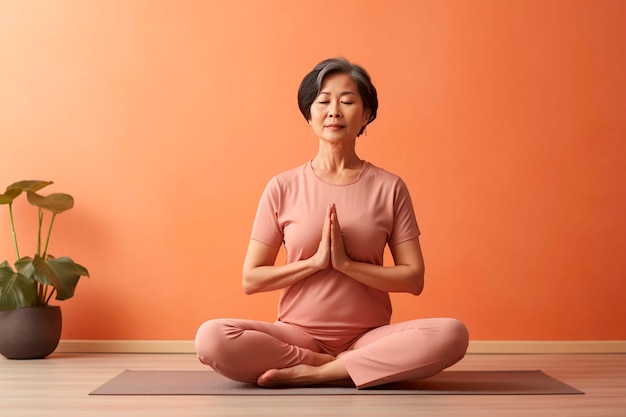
x: 336, y: 166
x: 336, y: 159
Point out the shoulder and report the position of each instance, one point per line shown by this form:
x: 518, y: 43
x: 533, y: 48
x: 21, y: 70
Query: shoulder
x: 286, y: 179
x: 382, y: 175
x: 291, y: 174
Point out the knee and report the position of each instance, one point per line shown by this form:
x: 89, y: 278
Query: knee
x: 211, y: 339
x: 457, y: 336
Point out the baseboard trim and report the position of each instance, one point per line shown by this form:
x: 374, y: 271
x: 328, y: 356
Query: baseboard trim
x: 475, y: 347
x: 126, y: 346
x: 546, y: 346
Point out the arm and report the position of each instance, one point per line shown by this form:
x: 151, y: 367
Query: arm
x: 260, y: 274
x: 406, y: 276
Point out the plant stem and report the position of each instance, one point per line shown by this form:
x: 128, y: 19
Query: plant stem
x: 50, y: 296
x: 39, y: 232
x: 45, y: 251
x: 17, y: 252
x: 39, y: 295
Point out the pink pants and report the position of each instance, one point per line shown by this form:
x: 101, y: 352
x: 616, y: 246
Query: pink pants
x: 244, y: 349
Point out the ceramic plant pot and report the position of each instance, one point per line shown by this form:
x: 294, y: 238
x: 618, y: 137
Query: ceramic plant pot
x: 30, y: 332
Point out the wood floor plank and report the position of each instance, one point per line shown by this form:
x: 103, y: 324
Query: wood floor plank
x: 59, y: 386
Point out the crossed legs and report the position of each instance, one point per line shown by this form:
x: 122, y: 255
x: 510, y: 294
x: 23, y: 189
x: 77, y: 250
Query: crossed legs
x: 244, y: 349
x: 276, y: 354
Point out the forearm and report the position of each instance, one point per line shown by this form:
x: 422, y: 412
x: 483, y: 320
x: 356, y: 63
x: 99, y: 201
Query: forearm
x: 269, y: 278
x: 399, y: 278
x: 261, y: 275
x: 406, y: 276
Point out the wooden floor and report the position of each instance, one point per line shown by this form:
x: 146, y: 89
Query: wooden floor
x: 59, y: 386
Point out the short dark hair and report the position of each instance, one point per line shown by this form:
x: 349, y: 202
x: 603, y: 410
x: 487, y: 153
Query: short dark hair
x: 312, y: 84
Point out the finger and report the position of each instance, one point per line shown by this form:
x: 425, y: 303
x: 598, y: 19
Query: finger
x: 326, y: 233
x: 327, y: 220
x: 333, y: 221
x: 333, y: 215
x: 335, y: 233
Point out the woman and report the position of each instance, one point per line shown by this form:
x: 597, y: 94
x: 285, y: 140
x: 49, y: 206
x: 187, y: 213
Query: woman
x: 334, y: 214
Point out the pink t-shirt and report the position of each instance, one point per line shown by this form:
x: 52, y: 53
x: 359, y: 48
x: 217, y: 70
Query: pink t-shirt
x: 373, y: 211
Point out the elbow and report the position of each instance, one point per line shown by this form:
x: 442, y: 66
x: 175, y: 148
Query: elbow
x: 417, y: 288
x: 252, y: 281
x: 247, y: 289
x: 417, y: 283
x: 248, y: 285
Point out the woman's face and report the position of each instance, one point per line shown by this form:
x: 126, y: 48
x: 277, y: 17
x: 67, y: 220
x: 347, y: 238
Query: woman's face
x: 337, y: 114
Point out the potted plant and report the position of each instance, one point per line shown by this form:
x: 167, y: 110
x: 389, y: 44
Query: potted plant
x: 29, y: 327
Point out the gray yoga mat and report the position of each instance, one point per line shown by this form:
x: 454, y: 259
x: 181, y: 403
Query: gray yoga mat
x: 143, y: 382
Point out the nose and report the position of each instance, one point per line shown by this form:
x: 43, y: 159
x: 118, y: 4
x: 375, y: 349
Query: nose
x: 333, y: 111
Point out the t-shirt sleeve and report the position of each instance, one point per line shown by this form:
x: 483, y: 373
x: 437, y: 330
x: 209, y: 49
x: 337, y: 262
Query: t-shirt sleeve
x: 266, y: 228
x: 404, y: 222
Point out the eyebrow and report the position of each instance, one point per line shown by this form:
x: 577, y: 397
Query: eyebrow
x: 344, y: 93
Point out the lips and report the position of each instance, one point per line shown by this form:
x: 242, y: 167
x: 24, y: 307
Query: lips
x: 335, y: 125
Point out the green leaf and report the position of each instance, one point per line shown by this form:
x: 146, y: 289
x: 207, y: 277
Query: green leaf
x: 25, y: 266
x: 43, y: 273
x: 16, y: 290
x: 56, y: 203
x: 15, y: 189
x: 62, y: 273
x: 9, y: 195
x: 68, y: 273
x: 29, y: 185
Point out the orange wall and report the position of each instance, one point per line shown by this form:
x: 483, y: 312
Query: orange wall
x: 165, y: 119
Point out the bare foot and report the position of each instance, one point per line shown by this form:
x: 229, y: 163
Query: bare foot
x: 298, y: 376
x: 332, y: 373
x: 318, y: 359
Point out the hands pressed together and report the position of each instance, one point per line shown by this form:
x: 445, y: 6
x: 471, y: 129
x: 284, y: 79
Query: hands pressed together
x: 331, y: 252
x: 261, y: 274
